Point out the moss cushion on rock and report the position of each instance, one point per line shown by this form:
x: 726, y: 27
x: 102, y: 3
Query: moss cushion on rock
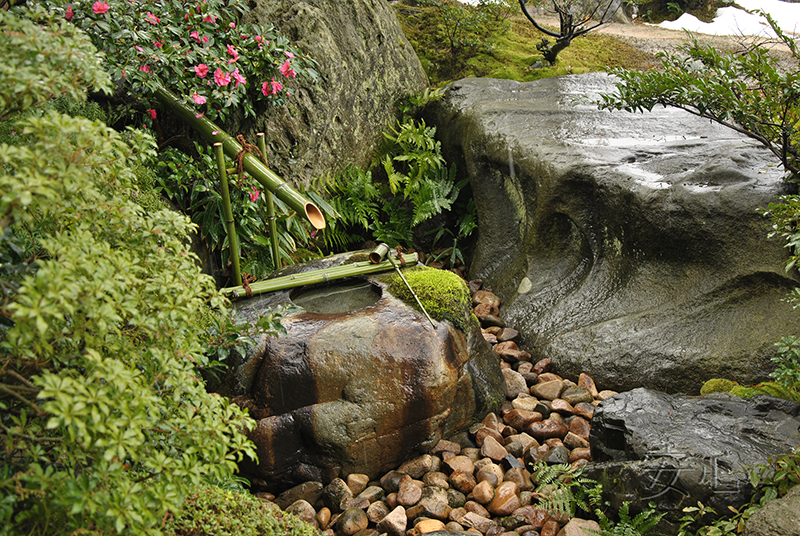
x: 443, y: 294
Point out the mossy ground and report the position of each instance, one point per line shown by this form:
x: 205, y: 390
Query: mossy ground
x: 443, y: 294
x: 718, y: 385
x: 514, y: 52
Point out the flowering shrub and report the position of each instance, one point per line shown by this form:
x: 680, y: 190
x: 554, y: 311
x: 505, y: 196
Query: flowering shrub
x: 199, y: 50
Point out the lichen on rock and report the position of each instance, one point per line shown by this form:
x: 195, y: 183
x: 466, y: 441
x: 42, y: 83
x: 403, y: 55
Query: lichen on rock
x: 443, y: 294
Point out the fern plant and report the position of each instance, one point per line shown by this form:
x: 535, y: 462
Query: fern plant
x: 562, y: 490
x: 639, y: 525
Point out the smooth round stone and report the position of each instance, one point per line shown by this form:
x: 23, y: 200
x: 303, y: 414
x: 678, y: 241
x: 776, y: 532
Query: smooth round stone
x: 357, y: 483
x: 429, y: 525
x: 525, y: 402
x: 547, y: 429
x: 483, y: 492
x: 520, y: 419
x: 324, y: 517
x: 558, y: 455
x: 506, y: 499
x: 520, y: 477
x: 542, y: 366
x: 562, y: 406
x: 515, y: 449
x: 394, y: 523
x: 484, y: 296
x: 377, y: 511
x: 605, y: 394
x: 493, y: 449
x: 554, y: 442
x: 484, y: 432
x: 572, y: 441
x: 409, y: 493
x: 548, y: 390
x: 463, y: 482
x: 452, y: 526
x: 485, y: 476
x: 550, y: 528
x: 351, y: 521
x: 303, y: 510
x: 475, y: 507
x: 584, y: 380
x: 576, y: 394
x: 436, y: 478
x: 417, y: 467
x: 580, y: 454
x: 582, y: 409
x: 457, y: 464
x: 580, y: 427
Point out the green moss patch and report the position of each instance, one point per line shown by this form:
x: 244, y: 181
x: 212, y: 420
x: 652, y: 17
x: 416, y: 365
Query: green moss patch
x: 214, y: 511
x: 718, y: 385
x: 444, y: 295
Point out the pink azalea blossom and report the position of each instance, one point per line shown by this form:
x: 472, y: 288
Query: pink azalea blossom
x: 208, y: 18
x: 199, y: 99
x: 152, y: 19
x: 157, y: 44
x: 145, y: 68
x: 254, y: 194
x: 271, y: 88
x: 69, y: 14
x: 238, y: 77
x: 258, y: 38
x: 140, y: 49
x: 233, y: 53
x: 99, y: 8
x: 201, y: 70
x: 287, y: 71
x: 289, y: 54
x: 152, y: 113
x: 232, y: 25
x: 222, y: 78
x: 194, y: 35
x: 205, y: 40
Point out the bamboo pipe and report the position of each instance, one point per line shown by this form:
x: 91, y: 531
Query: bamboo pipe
x: 227, y: 212
x: 265, y: 176
x: 273, y: 225
x: 316, y: 276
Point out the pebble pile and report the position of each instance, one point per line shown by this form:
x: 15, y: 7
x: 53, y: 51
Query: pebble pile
x: 480, y: 481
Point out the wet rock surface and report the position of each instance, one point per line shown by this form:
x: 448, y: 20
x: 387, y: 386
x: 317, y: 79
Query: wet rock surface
x: 355, y: 392
x: 677, y: 450
x: 627, y: 246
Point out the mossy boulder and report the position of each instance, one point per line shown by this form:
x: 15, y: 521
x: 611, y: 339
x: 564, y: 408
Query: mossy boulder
x: 717, y: 385
x: 443, y: 294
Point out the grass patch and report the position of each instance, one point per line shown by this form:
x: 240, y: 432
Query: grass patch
x: 512, y: 53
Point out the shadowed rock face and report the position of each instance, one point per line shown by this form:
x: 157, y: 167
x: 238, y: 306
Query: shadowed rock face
x: 366, y: 66
x: 627, y: 246
x: 360, y: 391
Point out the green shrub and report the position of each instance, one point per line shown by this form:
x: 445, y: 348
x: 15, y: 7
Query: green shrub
x: 213, y: 511
x: 106, y: 425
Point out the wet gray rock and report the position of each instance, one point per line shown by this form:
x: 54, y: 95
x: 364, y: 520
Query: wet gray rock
x: 677, y: 450
x: 365, y: 65
x: 359, y: 391
x: 627, y: 246
x: 780, y: 517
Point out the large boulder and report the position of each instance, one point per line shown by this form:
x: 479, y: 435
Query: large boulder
x: 780, y: 517
x: 357, y: 389
x: 676, y: 450
x: 628, y: 246
x: 366, y: 66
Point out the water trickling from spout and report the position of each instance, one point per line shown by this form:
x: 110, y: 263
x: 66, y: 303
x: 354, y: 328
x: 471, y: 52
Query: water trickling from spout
x: 511, y: 164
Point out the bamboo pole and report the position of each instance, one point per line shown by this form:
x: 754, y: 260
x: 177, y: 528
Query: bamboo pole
x: 273, y: 225
x: 227, y: 213
x: 316, y: 276
x: 265, y: 176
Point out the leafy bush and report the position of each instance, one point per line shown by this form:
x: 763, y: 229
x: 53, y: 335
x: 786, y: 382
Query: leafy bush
x: 639, y: 525
x: 219, y: 512
x: 200, y: 51
x: 562, y: 490
x: 105, y: 422
x: 191, y: 183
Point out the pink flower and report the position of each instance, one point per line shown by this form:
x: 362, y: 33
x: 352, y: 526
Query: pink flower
x: 208, y: 18
x: 201, y: 70
x: 199, y: 99
x: 157, y: 44
x: 140, y: 49
x: 287, y: 71
x: 239, y: 78
x: 254, y: 194
x: 289, y: 54
x: 99, y: 8
x: 232, y: 25
x: 271, y: 88
x: 194, y: 35
x: 145, y: 68
x: 152, y: 19
x: 152, y: 113
x: 222, y: 78
x: 258, y: 39
x: 233, y: 53
x: 69, y: 14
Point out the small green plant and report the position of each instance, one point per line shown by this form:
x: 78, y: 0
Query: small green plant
x: 640, y: 525
x: 192, y: 185
x: 215, y: 511
x: 562, y: 490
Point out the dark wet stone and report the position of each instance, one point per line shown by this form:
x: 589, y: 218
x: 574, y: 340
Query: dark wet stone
x: 558, y: 455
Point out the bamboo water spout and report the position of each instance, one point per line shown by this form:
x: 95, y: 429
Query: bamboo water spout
x: 252, y: 165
